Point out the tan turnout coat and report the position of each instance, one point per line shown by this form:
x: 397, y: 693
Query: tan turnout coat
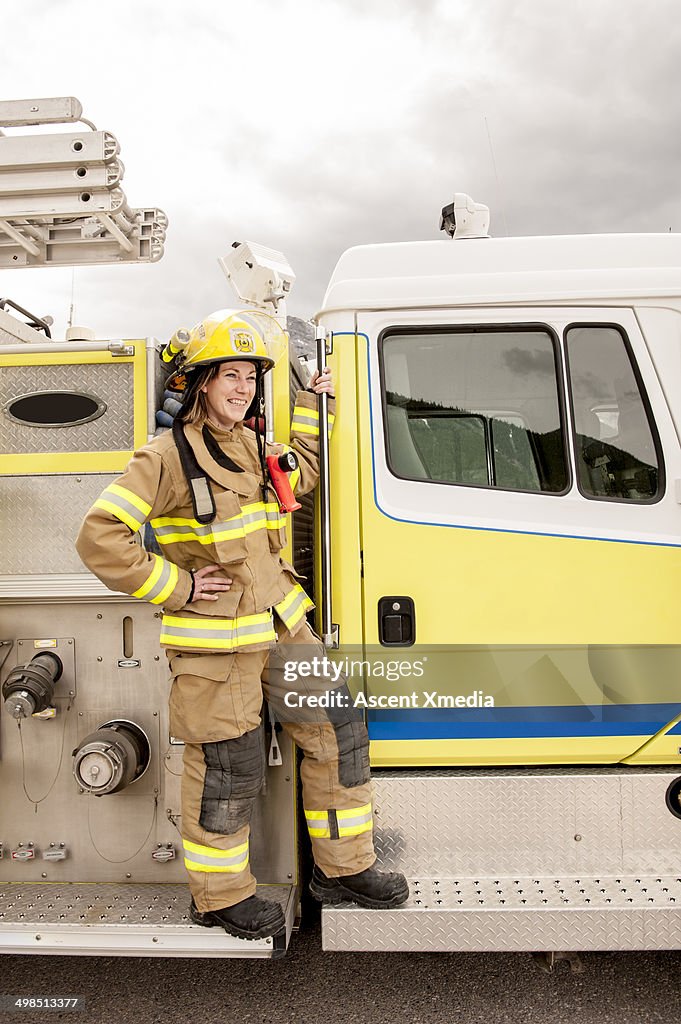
x: 245, y: 538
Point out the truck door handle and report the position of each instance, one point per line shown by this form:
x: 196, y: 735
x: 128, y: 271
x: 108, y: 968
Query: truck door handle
x: 396, y: 621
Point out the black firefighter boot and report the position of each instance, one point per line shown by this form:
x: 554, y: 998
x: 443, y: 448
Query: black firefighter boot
x: 252, y: 918
x: 368, y: 888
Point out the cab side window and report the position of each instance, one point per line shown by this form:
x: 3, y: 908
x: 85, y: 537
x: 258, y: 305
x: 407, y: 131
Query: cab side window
x: 478, y: 406
x: 616, y: 447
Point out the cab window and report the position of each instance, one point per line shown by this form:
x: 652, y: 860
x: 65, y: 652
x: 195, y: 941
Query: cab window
x: 616, y: 448
x: 478, y: 406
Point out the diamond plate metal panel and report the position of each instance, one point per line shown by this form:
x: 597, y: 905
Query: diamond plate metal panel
x: 503, y: 915
x: 113, y: 431
x: 651, y: 839
x: 523, y: 859
x: 511, y: 821
x: 122, y: 920
x: 164, y: 906
x: 49, y: 510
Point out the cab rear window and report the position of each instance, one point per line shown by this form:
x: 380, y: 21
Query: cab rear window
x: 617, y: 451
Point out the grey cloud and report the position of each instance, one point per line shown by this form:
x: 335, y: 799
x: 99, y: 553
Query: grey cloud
x: 582, y: 103
x: 524, y: 362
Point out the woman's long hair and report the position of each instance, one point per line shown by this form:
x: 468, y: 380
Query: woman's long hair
x: 194, y: 409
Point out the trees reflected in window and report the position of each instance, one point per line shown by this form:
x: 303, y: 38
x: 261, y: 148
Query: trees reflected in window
x: 615, y: 447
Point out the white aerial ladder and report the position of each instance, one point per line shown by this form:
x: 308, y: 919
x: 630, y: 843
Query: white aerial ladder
x: 61, y: 200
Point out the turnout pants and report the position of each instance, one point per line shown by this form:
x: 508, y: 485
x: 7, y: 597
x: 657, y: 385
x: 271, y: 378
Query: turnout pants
x: 215, y: 705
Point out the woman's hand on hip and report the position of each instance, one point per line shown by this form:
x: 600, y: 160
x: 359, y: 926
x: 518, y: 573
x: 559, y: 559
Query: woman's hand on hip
x: 206, y: 584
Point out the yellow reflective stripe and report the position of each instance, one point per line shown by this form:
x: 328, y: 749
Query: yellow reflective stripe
x: 220, y: 533
x: 170, y: 640
x: 293, y: 607
x: 353, y: 812
x: 208, y: 858
x: 289, y: 599
x: 217, y: 634
x: 355, y: 820
x: 256, y: 506
x: 130, y: 496
x: 355, y: 830
x: 192, y: 865
x: 212, y: 851
x: 124, y: 505
x: 204, y: 622
x: 257, y: 516
x: 301, y: 426
x: 151, y: 578
x: 304, y: 413
x: 164, y: 594
x: 160, y: 583
x: 119, y: 513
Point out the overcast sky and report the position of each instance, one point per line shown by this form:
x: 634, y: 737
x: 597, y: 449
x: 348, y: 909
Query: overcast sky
x: 314, y: 125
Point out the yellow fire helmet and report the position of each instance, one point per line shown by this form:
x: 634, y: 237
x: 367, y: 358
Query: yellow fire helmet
x: 227, y: 334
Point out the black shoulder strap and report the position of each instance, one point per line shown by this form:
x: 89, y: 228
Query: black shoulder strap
x: 216, y: 452
x: 199, y: 484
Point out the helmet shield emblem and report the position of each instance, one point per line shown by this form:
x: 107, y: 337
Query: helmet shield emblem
x: 243, y: 342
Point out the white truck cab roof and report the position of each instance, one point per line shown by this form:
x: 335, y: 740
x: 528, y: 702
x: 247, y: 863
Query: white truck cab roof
x: 580, y: 269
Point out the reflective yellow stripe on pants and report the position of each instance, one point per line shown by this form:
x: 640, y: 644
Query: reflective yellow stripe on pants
x: 354, y: 821
x: 334, y: 824
x: 208, y: 858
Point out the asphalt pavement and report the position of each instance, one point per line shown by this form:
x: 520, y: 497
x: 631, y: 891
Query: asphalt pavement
x: 308, y: 986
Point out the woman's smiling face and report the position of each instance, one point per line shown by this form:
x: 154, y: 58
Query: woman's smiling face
x: 230, y: 392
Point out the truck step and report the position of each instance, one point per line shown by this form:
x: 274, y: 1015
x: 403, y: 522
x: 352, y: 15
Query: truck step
x: 123, y: 920
x: 568, y: 914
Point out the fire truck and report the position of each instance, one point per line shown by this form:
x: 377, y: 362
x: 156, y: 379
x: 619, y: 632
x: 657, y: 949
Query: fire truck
x: 495, y: 553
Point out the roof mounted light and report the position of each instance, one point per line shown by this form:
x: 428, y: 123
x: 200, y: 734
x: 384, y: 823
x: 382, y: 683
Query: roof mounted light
x: 465, y: 219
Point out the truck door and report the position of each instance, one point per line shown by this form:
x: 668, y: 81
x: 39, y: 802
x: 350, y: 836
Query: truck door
x: 520, y: 532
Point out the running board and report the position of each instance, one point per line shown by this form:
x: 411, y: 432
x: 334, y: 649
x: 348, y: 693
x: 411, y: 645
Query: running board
x: 504, y: 859
x: 569, y: 914
x: 78, y: 919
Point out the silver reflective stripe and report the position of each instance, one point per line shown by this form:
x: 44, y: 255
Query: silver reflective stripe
x: 254, y: 517
x: 161, y: 582
x: 201, y: 531
x: 125, y: 506
x: 215, y: 634
x: 306, y: 417
x: 234, y: 525
x: 289, y: 614
x: 215, y: 862
x: 321, y: 824
x: 350, y: 822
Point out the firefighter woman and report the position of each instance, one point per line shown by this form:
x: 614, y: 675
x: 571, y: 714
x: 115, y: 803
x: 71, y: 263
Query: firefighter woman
x: 230, y: 603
